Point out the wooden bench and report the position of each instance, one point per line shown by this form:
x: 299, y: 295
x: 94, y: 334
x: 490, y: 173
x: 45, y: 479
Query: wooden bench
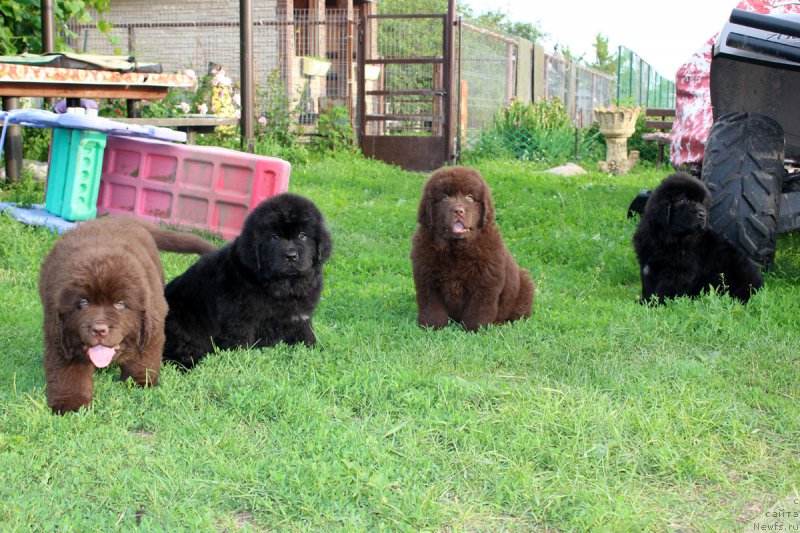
x: 191, y: 125
x: 662, y: 121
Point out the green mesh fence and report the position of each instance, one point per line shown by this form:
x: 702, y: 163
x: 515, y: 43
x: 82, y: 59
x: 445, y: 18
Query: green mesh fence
x: 541, y: 132
x: 560, y: 127
x: 639, y: 84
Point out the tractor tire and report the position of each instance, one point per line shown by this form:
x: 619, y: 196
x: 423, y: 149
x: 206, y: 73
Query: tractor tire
x: 743, y: 169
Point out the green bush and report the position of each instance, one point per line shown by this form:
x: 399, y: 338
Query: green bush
x: 276, y: 123
x: 647, y: 151
x: 24, y: 192
x: 538, y: 132
x: 36, y: 143
x: 334, y: 132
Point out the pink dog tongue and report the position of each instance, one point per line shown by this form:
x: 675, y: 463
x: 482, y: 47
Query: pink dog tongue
x: 101, y: 355
x: 458, y: 227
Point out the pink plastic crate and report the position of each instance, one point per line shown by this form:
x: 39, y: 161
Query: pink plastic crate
x: 201, y: 187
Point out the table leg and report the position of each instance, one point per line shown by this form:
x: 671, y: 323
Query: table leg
x: 12, y: 149
x: 134, y: 108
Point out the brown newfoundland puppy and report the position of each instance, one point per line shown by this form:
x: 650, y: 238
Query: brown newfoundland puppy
x: 256, y: 291
x: 679, y: 254
x: 462, y: 269
x: 102, y: 289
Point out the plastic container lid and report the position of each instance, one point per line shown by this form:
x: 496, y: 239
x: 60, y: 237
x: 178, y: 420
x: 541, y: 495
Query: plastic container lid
x: 39, y: 118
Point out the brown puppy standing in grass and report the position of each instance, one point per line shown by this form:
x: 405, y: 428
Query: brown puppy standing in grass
x: 462, y: 269
x: 102, y: 290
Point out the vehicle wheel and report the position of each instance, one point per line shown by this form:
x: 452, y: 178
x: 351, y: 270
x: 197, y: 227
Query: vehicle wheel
x: 743, y: 169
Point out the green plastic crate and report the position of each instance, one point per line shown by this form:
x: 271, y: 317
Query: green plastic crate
x: 73, y: 180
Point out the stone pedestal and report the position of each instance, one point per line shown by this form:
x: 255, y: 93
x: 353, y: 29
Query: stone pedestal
x: 616, y: 125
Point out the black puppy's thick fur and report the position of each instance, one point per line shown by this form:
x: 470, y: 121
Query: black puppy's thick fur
x: 258, y: 290
x: 679, y: 255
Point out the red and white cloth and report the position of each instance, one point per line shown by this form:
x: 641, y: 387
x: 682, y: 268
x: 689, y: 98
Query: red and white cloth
x: 693, y: 116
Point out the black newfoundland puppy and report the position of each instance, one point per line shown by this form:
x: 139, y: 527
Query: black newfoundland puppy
x: 679, y: 255
x: 258, y: 290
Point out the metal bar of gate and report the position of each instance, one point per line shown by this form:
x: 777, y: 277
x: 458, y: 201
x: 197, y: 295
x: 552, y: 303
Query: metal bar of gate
x: 361, y: 103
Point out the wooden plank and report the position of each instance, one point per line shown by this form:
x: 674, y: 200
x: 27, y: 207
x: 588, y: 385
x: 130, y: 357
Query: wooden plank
x: 418, y: 153
x: 177, y: 122
x: 463, y: 116
x: 659, y: 124
x: 656, y: 112
x: 659, y: 138
x: 73, y: 90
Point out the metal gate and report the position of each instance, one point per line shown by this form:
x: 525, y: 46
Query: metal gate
x: 405, y: 98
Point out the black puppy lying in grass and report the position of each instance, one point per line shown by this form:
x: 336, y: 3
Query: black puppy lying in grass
x: 679, y: 255
x: 256, y: 291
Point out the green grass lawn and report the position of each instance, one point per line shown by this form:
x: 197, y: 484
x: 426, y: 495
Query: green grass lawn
x: 596, y: 413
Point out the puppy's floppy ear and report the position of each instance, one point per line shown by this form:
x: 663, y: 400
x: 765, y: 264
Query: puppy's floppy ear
x: 665, y: 212
x: 62, y: 334
x: 487, y: 208
x: 324, y: 245
x: 425, y: 211
x: 657, y: 209
x: 246, y: 248
x: 148, y: 327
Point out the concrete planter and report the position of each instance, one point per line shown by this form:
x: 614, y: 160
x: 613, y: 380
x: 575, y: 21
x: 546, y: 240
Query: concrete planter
x: 617, y: 124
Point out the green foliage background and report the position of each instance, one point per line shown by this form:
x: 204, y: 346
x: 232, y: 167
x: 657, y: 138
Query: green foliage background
x: 21, y: 23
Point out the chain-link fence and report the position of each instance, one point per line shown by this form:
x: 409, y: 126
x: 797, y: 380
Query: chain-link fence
x: 496, y: 115
x: 497, y: 75
x: 486, y: 71
x: 286, y: 46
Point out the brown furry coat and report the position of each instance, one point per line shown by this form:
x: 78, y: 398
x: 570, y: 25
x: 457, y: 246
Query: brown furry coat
x: 462, y: 269
x: 101, y: 288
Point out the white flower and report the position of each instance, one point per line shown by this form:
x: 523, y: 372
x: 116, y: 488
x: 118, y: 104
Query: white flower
x: 184, y: 107
x: 202, y: 109
x: 221, y: 79
x: 237, y: 114
x: 189, y: 72
x: 237, y: 99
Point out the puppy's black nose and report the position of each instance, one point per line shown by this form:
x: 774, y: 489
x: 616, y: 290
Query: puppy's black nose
x: 291, y: 254
x: 701, y: 214
x: 458, y: 210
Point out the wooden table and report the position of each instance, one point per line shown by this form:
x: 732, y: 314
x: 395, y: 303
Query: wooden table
x: 50, y: 82
x: 192, y: 125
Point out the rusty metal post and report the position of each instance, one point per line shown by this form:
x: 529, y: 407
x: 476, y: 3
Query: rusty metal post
x: 462, y: 102
x: 48, y: 35
x: 449, y: 70
x: 248, y: 81
x: 48, y: 27
x: 511, y: 72
x: 131, y: 40
x: 361, y: 103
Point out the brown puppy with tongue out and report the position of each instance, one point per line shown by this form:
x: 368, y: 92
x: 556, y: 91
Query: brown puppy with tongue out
x: 462, y: 269
x: 102, y: 290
